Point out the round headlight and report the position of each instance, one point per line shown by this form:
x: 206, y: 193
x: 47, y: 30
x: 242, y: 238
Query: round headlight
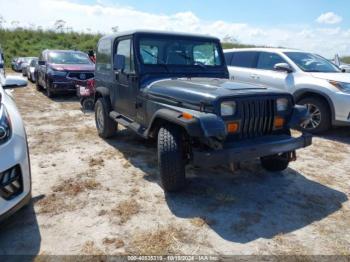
x: 228, y: 108
x: 282, y: 104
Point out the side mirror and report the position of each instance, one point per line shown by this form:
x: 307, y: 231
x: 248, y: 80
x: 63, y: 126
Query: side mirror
x: 283, y: 67
x: 119, y: 62
x: 13, y: 82
x: 42, y: 63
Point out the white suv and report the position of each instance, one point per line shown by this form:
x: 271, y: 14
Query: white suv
x: 15, y: 179
x: 313, y: 80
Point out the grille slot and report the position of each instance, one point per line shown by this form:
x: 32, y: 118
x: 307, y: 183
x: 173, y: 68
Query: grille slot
x: 80, y: 75
x: 256, y: 117
x: 11, y: 183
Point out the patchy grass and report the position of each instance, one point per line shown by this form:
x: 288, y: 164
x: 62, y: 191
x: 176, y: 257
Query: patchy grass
x: 116, y: 242
x: 96, y: 162
x: 201, y: 221
x: 73, y: 187
x: 56, y: 204
x: 89, y: 248
x: 163, y: 241
x: 125, y: 210
x: 86, y: 133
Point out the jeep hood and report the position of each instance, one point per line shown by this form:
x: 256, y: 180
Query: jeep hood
x: 204, y: 90
x: 65, y: 67
x: 340, y: 77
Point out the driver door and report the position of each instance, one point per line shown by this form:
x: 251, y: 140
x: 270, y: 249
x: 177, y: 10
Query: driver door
x: 267, y: 75
x: 125, y: 79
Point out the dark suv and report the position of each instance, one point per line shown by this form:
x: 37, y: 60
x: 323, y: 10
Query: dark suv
x: 175, y: 88
x: 58, y: 71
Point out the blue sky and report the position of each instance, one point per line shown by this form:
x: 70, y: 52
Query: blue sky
x: 255, y: 12
x: 320, y: 26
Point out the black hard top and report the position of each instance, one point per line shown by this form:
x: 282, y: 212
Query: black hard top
x: 159, y: 33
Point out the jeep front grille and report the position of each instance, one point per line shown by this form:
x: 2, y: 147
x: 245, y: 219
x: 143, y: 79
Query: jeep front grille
x: 257, y: 116
x: 82, y: 76
x: 11, y: 183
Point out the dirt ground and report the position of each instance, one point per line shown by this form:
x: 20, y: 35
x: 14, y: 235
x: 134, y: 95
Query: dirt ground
x: 92, y: 196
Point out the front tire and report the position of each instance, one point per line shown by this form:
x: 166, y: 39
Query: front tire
x: 275, y: 163
x: 49, y: 92
x: 171, y: 160
x: 320, y: 115
x: 37, y: 85
x: 106, y: 127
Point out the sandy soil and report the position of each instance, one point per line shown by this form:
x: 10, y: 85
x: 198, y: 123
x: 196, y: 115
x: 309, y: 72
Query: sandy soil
x: 92, y: 196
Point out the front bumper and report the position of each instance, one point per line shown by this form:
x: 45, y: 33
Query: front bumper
x: 63, y: 87
x: 251, y: 149
x: 341, y: 102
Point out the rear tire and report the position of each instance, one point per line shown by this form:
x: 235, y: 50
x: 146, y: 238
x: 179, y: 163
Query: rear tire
x: 171, y: 160
x: 106, y: 127
x: 320, y: 115
x: 275, y: 163
x: 88, y: 104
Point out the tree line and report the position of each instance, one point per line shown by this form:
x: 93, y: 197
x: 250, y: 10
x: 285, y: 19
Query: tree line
x: 30, y: 42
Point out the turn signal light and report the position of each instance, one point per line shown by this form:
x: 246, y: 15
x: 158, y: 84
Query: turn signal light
x: 279, y: 122
x: 232, y: 127
x: 187, y: 116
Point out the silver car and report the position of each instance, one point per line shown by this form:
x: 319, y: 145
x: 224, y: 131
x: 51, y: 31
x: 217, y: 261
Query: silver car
x: 313, y: 80
x: 24, y: 64
x: 30, y: 69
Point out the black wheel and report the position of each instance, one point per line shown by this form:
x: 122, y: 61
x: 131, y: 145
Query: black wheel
x: 171, y: 160
x: 88, y: 104
x: 320, y: 115
x: 275, y: 163
x: 37, y: 85
x: 49, y: 92
x: 106, y: 127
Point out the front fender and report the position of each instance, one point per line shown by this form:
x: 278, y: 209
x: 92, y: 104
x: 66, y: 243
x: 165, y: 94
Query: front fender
x: 201, y: 125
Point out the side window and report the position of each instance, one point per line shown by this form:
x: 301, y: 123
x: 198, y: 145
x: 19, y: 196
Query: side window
x: 124, y: 48
x: 228, y: 58
x: 267, y: 60
x: 103, y: 57
x: 245, y: 59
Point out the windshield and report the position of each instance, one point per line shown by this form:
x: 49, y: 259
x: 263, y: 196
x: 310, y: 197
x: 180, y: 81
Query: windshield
x: 33, y: 62
x: 312, y: 63
x: 179, y: 52
x: 69, y: 58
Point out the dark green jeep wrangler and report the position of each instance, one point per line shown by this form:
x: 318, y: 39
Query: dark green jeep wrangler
x: 175, y: 88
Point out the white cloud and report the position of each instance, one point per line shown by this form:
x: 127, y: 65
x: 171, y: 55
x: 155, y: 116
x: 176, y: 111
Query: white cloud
x: 329, y: 18
x: 102, y: 17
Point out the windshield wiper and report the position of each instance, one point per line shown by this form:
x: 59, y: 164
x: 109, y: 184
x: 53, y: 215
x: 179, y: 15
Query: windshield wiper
x: 162, y: 62
x: 197, y: 63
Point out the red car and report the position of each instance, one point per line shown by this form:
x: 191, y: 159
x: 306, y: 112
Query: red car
x: 59, y: 70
